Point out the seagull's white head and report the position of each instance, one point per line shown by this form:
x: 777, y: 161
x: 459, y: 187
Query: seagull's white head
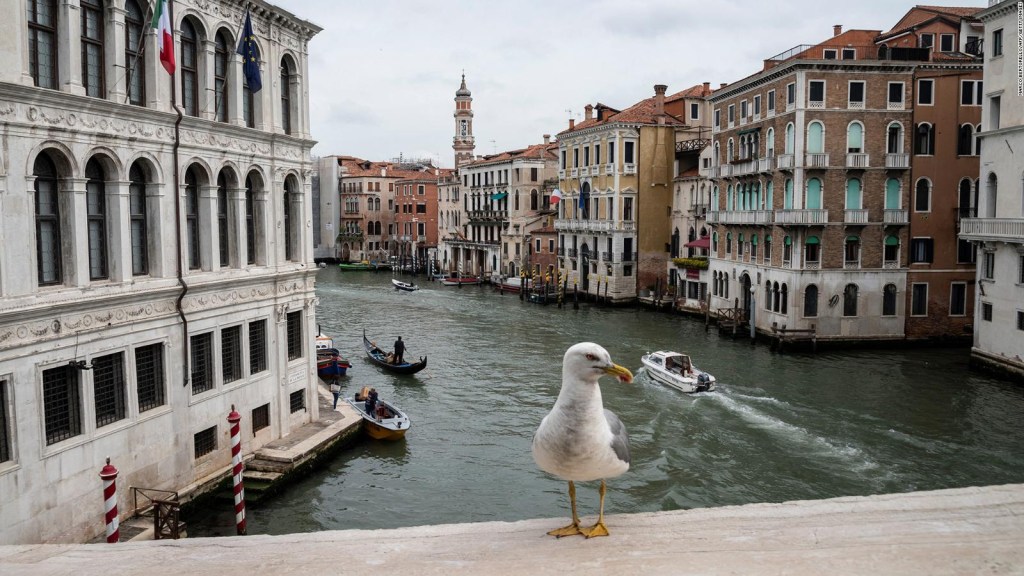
x: 589, y: 362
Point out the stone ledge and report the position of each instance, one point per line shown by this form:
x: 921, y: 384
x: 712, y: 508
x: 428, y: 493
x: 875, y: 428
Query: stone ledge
x: 958, y: 531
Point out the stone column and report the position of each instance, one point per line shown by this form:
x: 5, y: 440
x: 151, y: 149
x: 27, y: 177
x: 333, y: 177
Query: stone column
x: 159, y: 236
x: 115, y: 60
x: 236, y: 227
x: 119, y: 246
x: 74, y: 232
x: 207, y: 96
x: 69, y: 48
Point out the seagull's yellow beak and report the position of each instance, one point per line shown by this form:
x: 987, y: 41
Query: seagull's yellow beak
x: 620, y: 372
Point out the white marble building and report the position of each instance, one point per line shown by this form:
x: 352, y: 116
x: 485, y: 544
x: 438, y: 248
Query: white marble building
x: 156, y: 267
x: 999, y: 228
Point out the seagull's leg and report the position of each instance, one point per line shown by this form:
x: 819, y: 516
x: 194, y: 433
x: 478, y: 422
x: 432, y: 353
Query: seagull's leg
x: 598, y: 529
x: 574, y: 528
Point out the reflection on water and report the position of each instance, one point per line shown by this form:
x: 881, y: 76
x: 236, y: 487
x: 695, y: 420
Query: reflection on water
x: 780, y: 427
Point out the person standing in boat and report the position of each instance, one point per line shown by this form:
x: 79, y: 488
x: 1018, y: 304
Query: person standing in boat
x: 399, y: 351
x: 371, y: 402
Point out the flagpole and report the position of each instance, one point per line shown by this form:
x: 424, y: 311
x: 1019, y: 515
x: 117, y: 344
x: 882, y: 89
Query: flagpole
x: 135, y: 58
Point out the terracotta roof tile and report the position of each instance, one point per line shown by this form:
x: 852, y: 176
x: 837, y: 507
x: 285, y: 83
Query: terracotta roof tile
x: 697, y: 91
x: 640, y: 113
x: 919, y: 15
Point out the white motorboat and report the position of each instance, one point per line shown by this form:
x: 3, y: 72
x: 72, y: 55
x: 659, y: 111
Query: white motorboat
x: 678, y: 371
x: 407, y: 286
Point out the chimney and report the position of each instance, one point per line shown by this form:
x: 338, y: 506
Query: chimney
x: 588, y: 111
x: 723, y: 85
x: 659, y: 98
x: 547, y: 139
x: 572, y: 123
x: 707, y: 88
x: 837, y: 29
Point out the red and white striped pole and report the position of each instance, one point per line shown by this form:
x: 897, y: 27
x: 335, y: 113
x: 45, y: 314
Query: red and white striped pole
x: 109, y: 474
x: 236, y: 471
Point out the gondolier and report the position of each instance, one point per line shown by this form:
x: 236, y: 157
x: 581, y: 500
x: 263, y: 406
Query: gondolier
x: 399, y: 351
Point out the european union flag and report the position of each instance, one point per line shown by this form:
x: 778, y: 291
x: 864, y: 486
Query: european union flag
x: 250, y: 56
x: 584, y: 202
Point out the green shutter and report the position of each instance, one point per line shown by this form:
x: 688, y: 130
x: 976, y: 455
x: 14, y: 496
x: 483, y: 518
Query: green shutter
x: 811, y: 240
x: 892, y: 241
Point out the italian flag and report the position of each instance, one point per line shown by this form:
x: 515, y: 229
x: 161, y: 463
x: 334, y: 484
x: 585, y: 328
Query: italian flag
x: 164, y: 35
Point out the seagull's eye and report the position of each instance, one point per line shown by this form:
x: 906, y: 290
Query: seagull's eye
x: 591, y: 357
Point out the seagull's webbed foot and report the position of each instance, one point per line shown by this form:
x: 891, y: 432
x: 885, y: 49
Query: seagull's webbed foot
x: 574, y: 528
x: 598, y: 529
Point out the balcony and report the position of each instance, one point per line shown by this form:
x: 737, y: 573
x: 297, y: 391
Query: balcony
x: 890, y: 264
x: 897, y: 161
x: 629, y: 169
x: 744, y: 168
x: 894, y: 216
x: 624, y: 226
x: 856, y: 160
x: 801, y: 217
x: 743, y: 217
x: 573, y: 252
x: 764, y: 164
x: 816, y: 161
x: 855, y: 216
x: 785, y: 162
x: 487, y: 215
x: 725, y: 170
x: 1010, y: 230
x: 561, y: 252
x: 628, y: 257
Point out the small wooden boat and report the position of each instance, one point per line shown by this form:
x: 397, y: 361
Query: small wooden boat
x: 364, y: 265
x: 676, y: 370
x: 380, y: 358
x: 460, y: 280
x: 330, y: 364
x: 323, y: 341
x: 387, y: 422
x: 407, y: 286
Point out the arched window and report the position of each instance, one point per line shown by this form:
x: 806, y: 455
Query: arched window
x: 250, y: 221
x: 977, y: 140
x: 135, y: 63
x: 813, y: 194
x: 853, y: 195
x: 743, y: 148
x: 768, y: 193
x: 47, y: 213
x: 891, y: 252
x: 965, y: 140
x: 787, y: 199
x: 729, y: 151
x: 533, y: 200
x: 42, y: 42
x: 96, y: 214
x: 291, y: 214
x: 790, y: 138
x: 784, y: 307
x: 221, y: 61
x: 892, y: 194
x: 889, y: 300
x: 767, y: 295
x: 189, y: 68
x: 714, y: 198
x: 855, y: 138
x: 894, y: 138
x: 769, y: 143
x: 812, y: 250
x: 192, y: 218
x: 851, y: 252
x: 965, y: 208
x: 728, y: 198
x: 249, y: 102
x: 924, y: 139
x: 991, y: 194
x: 139, y: 220
x: 815, y: 138
x: 718, y: 154
x: 222, y: 219
x: 92, y: 47
x: 675, y: 244
x: 850, y: 300
x: 811, y: 301
x: 923, y: 195
x: 287, y: 89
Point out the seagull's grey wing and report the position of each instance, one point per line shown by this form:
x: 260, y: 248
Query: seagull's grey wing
x: 620, y: 439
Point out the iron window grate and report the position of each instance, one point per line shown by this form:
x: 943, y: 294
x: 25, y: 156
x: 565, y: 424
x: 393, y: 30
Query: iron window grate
x: 108, y: 385
x: 257, y: 346
x: 202, y: 363
x: 297, y: 400
x: 149, y: 376
x: 260, y: 418
x: 295, y: 335
x: 205, y: 441
x: 61, y: 404
x: 231, y: 353
x: 5, y: 438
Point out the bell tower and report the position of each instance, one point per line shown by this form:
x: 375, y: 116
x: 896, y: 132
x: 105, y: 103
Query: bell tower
x: 463, y: 143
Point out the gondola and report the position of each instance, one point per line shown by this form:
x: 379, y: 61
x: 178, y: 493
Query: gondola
x: 379, y: 357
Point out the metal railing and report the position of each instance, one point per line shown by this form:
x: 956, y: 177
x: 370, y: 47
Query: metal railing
x: 897, y: 160
x: 816, y: 160
x: 891, y: 216
x: 856, y: 216
x: 856, y: 160
x: 785, y: 162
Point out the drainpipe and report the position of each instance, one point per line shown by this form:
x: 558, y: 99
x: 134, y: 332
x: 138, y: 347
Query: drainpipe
x: 177, y: 235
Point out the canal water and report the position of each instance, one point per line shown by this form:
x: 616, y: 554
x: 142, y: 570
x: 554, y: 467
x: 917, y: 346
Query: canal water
x: 779, y: 427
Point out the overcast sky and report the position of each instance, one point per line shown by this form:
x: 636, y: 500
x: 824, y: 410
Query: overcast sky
x: 383, y: 73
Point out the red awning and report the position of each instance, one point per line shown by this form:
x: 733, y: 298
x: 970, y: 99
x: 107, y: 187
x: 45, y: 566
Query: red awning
x: 702, y: 242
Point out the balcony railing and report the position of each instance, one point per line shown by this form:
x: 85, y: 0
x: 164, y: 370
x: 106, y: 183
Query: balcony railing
x: 815, y: 265
x: 606, y: 256
x: 890, y: 216
x: 856, y: 160
x: 764, y: 164
x: 856, y: 216
x: 890, y: 264
x: 801, y: 217
x: 743, y: 217
x: 725, y: 170
x: 573, y: 252
x: 894, y: 161
x: 785, y: 162
x: 993, y: 229
x: 743, y: 168
x: 817, y: 161
x: 628, y: 257
x: 851, y: 264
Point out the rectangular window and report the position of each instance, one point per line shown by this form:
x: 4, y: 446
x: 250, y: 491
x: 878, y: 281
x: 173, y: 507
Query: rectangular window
x: 743, y: 110
x: 988, y: 271
x: 816, y: 94
x: 231, y: 353
x: 421, y: 189
x: 895, y: 96
x: 1020, y: 269
x: 921, y: 250
x: 260, y: 418
x: 924, y: 92
x: 62, y: 404
x: 927, y: 40
x: 946, y: 42
x: 205, y: 441
x: 970, y: 92
x: 958, y: 299
x: 694, y: 111
x: 297, y: 401
x: 919, y: 300
x: 627, y: 153
x: 829, y: 54
x: 5, y: 426
x: 718, y: 118
x: 627, y: 209
x: 986, y: 311
x: 849, y: 54
x: 295, y: 335
x: 771, y: 101
x: 732, y: 114
x: 1020, y: 320
x: 533, y: 171
x: 997, y: 42
x: 757, y: 106
x: 149, y: 376
x: 790, y: 95
x: 109, y: 388
x: 421, y: 208
x: 202, y: 362
x: 856, y: 99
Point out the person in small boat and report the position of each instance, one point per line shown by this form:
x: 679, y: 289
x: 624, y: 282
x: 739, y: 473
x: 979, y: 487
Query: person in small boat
x: 686, y: 369
x: 399, y: 351
x: 371, y: 402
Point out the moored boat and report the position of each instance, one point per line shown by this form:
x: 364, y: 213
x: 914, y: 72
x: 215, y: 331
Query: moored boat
x: 323, y: 341
x: 330, y: 364
x: 380, y: 358
x: 678, y: 371
x: 364, y: 265
x: 407, y: 286
x: 460, y: 280
x: 387, y: 422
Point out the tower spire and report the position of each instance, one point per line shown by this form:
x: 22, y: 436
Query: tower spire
x: 463, y: 143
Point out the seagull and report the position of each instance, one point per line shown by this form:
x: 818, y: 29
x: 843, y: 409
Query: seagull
x: 579, y: 440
